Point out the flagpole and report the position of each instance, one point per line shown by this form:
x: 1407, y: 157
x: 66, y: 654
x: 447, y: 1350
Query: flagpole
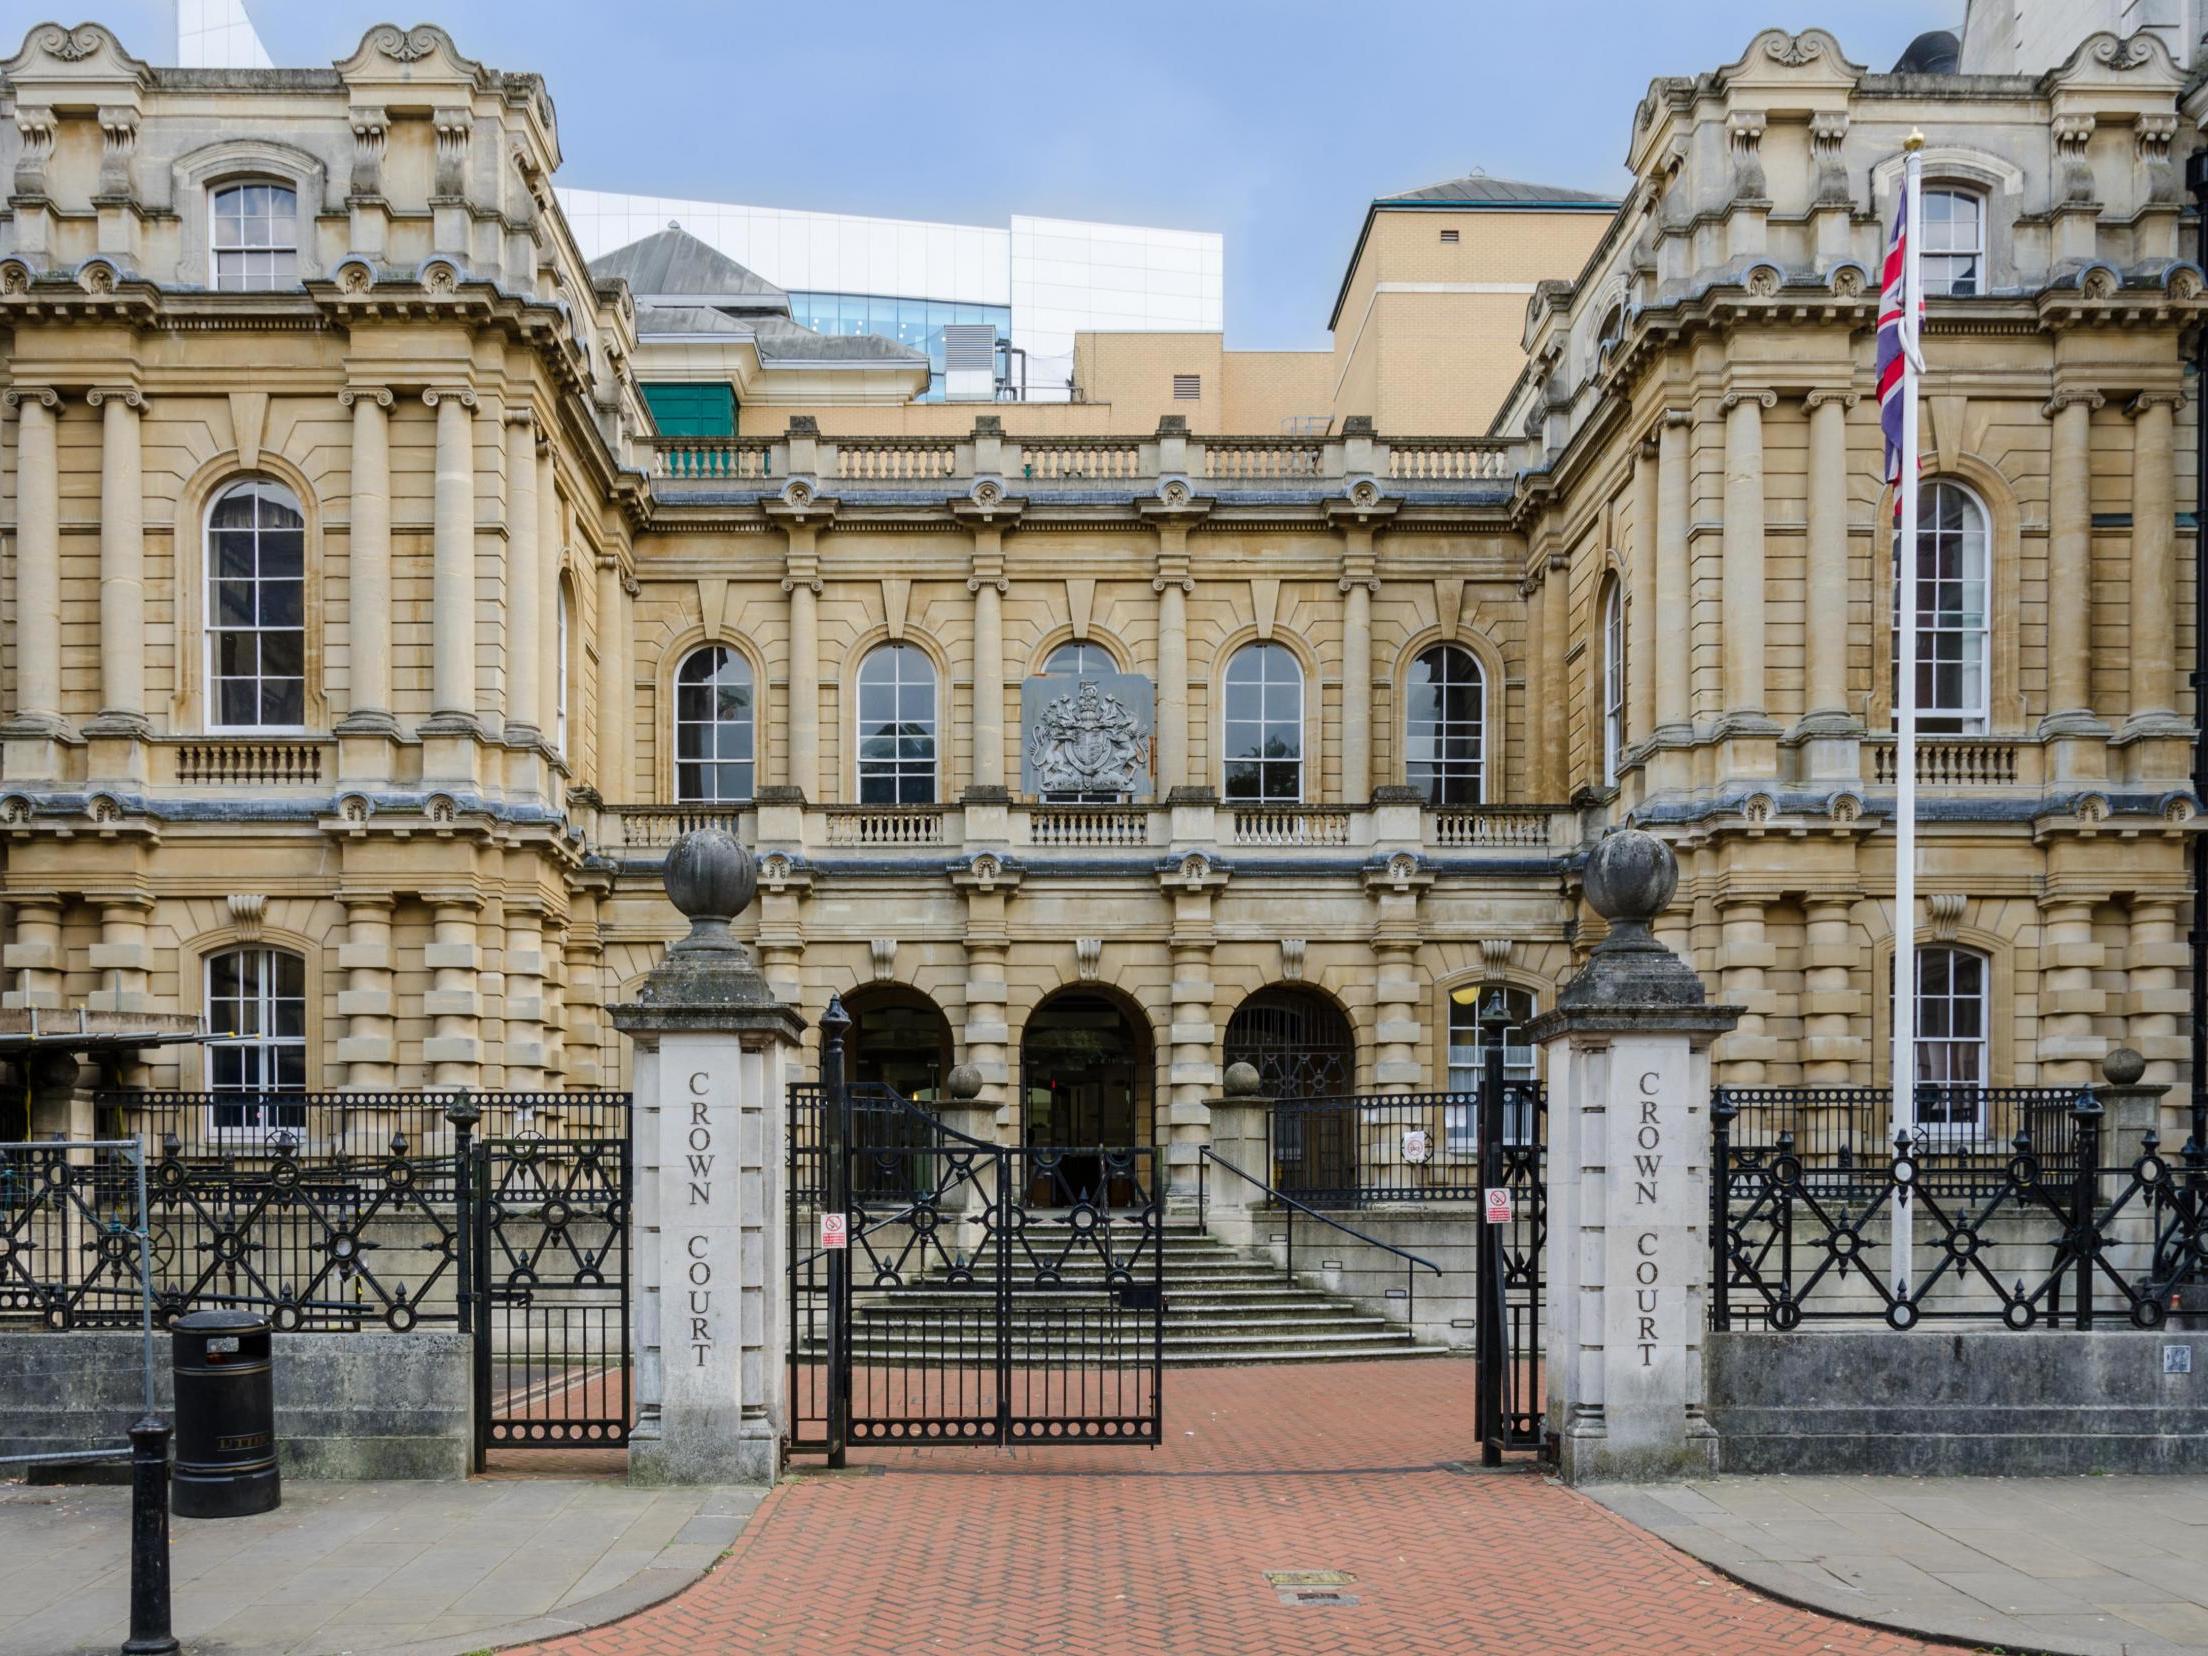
x: 1904, y: 1123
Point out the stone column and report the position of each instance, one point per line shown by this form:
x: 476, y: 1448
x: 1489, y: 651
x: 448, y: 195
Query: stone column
x: 1359, y: 581
x: 1743, y: 554
x: 551, y: 670
x: 801, y: 580
x: 1172, y: 583
x: 1629, y: 1186
x: 1553, y: 762
x: 525, y: 576
x: 1396, y: 889
x: 584, y: 1049
x: 1675, y: 632
x: 2069, y: 1001
x: 1744, y: 958
x: 368, y: 1048
x: 122, y: 565
x: 2151, y: 613
x: 715, y: 1050
x: 987, y: 583
x: 36, y: 956
x: 613, y: 681
x: 2070, y: 566
x: 452, y: 549
x: 1827, y: 726
x: 36, y: 718
x: 1643, y: 598
x: 1830, y: 1002
x: 2155, y: 966
x: 525, y: 1048
x: 555, y: 1000
x: 454, y: 1049
x: 120, y: 959
x: 368, y: 565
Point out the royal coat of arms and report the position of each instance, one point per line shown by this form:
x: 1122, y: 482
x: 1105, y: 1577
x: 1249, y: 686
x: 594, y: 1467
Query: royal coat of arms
x: 1088, y: 742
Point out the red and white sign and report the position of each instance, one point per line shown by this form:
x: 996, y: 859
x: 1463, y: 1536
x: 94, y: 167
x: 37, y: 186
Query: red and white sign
x: 835, y: 1231
x: 1498, y: 1205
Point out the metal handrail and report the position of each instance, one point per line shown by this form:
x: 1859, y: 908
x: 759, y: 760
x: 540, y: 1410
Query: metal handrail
x: 1206, y: 1156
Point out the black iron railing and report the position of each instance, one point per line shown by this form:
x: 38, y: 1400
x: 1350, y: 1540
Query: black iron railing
x: 1392, y: 1147
x: 1844, y: 1134
x: 1817, y: 1228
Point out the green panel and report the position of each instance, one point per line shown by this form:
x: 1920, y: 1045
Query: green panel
x: 692, y: 410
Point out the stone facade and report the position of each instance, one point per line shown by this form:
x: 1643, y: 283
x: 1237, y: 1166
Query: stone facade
x: 460, y: 833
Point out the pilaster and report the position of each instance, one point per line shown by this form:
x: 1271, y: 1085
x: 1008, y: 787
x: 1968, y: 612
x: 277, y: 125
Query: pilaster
x: 368, y: 1049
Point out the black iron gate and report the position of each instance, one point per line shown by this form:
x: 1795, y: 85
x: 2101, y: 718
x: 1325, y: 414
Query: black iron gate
x: 1509, y: 1405
x: 973, y: 1293
x: 549, y: 1270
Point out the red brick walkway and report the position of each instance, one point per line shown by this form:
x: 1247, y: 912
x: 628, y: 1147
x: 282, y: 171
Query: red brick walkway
x: 1139, y: 1552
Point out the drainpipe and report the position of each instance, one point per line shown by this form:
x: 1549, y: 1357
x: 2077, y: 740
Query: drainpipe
x: 2196, y: 180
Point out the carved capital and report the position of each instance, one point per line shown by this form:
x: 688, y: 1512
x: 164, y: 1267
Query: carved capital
x: 2072, y: 134
x: 371, y: 131
x: 2072, y: 397
x: 1823, y: 395
x: 464, y: 397
x: 15, y: 396
x: 2154, y: 399
x: 128, y: 395
x: 34, y: 127
x: 1761, y: 399
x: 522, y: 417
x: 380, y: 395
x: 118, y: 142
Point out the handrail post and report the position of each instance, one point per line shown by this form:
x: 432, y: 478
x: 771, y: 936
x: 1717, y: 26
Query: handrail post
x: 1488, y: 1324
x: 2085, y: 1198
x: 835, y: 1198
x: 1722, y: 1112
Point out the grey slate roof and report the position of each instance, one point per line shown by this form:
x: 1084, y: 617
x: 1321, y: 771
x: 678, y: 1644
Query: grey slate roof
x: 672, y: 263
x: 1479, y: 189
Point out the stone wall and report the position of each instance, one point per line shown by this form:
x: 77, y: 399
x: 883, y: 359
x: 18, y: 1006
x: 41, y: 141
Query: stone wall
x: 1968, y: 1403
x: 1438, y: 1309
x: 347, y: 1405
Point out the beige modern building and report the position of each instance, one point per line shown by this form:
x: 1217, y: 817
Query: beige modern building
x: 367, y: 645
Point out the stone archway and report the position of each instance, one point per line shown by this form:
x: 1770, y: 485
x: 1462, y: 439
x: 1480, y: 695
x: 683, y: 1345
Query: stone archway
x: 899, y: 1039
x: 1087, y: 1081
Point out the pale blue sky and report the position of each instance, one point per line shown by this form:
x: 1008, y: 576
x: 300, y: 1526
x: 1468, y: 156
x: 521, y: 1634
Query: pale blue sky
x: 1273, y: 123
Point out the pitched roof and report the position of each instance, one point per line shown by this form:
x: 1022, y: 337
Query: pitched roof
x: 672, y: 263
x: 1477, y: 189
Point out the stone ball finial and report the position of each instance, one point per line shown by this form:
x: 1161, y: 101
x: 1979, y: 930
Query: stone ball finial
x: 1242, y: 1080
x: 1631, y: 875
x: 2124, y: 1066
x: 711, y: 877
x: 964, y: 1082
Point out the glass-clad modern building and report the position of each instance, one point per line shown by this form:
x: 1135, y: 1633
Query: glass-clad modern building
x: 918, y: 323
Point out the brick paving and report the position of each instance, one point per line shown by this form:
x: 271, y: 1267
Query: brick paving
x: 1136, y: 1552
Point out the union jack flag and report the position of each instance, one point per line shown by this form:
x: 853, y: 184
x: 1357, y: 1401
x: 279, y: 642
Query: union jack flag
x: 1897, y: 344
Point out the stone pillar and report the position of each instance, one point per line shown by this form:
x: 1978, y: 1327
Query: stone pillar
x: 1172, y: 583
x: 1828, y: 728
x: 35, y: 956
x: 1553, y: 762
x: 2070, y: 566
x: 1396, y: 889
x: 368, y: 1049
x: 1675, y: 634
x: 801, y: 580
x: 715, y: 1050
x: 120, y: 959
x: 525, y: 1052
x: 1830, y: 1003
x: 555, y: 1000
x: 2155, y: 966
x: 1744, y: 959
x: 551, y: 670
x: 1629, y: 1186
x: 1241, y: 1136
x: 613, y: 681
x: 2069, y: 999
x: 1743, y: 574
x: 987, y: 583
x: 2151, y: 614
x: 525, y: 576
x: 452, y: 550
x: 454, y: 1048
x: 1359, y: 581
x: 36, y: 719
x: 583, y: 1051
x: 1642, y: 600
x: 368, y: 565
x: 122, y: 566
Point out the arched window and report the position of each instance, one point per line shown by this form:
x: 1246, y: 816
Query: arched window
x: 1079, y: 659
x: 1951, y: 1039
x: 1445, y: 727
x: 714, y: 723
x: 257, y: 1009
x: 1468, y: 1062
x: 896, y: 727
x: 562, y: 670
x: 256, y: 608
x: 255, y: 237
x: 1613, y: 678
x: 1264, y: 725
x: 1953, y: 253
x: 1952, y: 558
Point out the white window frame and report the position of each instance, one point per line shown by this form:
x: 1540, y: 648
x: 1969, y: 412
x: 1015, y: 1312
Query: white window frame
x: 714, y: 724
x: 260, y: 1119
x: 1465, y: 1064
x: 1263, y: 651
x: 897, y: 768
x: 1973, y: 540
x: 1975, y: 1050
x: 211, y: 624
x: 1089, y: 657
x: 216, y: 247
x: 1438, y: 770
x: 1613, y: 680
x: 1939, y: 244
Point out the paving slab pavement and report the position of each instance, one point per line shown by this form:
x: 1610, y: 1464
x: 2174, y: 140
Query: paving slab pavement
x: 2112, y: 1566
x: 346, y: 1569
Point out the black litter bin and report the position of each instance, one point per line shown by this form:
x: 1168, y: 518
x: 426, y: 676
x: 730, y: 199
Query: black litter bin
x: 225, y: 1416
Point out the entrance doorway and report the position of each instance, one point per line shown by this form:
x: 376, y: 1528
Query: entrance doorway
x: 1300, y: 1044
x: 900, y: 1040
x: 1085, y: 1088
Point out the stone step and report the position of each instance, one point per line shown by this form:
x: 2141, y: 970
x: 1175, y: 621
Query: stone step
x: 1320, y: 1318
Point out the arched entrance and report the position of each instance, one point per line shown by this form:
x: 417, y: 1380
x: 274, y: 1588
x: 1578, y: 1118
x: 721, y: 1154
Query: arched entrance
x: 899, y: 1039
x: 1301, y: 1046
x: 1085, y: 1081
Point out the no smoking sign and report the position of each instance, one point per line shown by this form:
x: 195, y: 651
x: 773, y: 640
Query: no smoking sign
x: 835, y: 1231
x: 1498, y: 1205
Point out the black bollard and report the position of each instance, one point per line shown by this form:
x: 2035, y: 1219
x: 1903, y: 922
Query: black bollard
x: 149, y: 1542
